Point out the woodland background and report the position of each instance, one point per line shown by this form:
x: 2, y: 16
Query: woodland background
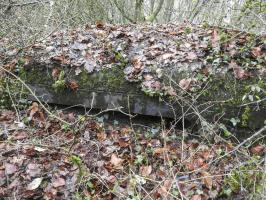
x: 28, y: 20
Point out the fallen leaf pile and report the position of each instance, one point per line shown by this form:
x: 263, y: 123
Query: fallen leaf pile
x: 145, y: 52
x: 99, y: 161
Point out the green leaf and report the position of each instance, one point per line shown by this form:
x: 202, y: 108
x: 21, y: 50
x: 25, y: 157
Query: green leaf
x: 226, y: 132
x: 234, y: 121
x: 250, y: 97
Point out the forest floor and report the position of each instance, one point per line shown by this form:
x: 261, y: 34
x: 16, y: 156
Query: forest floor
x: 87, y: 158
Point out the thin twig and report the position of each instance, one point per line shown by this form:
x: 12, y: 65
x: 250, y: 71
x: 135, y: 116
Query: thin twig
x: 37, y: 99
x: 235, y: 149
x: 253, y: 102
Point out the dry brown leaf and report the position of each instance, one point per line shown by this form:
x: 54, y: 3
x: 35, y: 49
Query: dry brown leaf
x: 195, y: 163
x: 215, y: 38
x: 10, y: 168
x: 196, y: 197
x: 145, y: 170
x: 205, y: 154
x: 100, y: 24
x: 89, y: 66
x: 206, y: 71
x: 173, y: 33
x: 160, y: 150
x: 125, y: 131
x: 11, y: 66
x: 148, y: 77
x: 241, y: 73
x: 192, y: 56
x: 36, y: 112
x: 123, y: 143
x: 41, y: 116
x: 33, y: 169
x: 14, y: 184
x: 111, y: 179
x: 20, y: 135
x: 71, y: 117
x: 258, y: 149
x: 34, y: 109
x: 50, y: 193
x: 238, y: 71
x: 60, y: 59
x: 256, y: 52
x: 136, y: 62
x: 58, y: 182
x: 164, y: 190
x: 170, y: 91
x: 185, y: 84
x: 207, y: 179
x: 55, y: 73
x: 101, y: 136
x: 73, y: 85
x: 38, y: 46
x: 167, y: 56
x: 116, y: 162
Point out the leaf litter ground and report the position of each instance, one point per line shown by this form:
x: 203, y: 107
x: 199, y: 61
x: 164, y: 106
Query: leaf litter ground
x: 42, y: 158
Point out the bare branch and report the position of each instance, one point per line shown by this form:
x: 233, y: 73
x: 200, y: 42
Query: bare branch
x: 122, y: 11
x: 153, y: 16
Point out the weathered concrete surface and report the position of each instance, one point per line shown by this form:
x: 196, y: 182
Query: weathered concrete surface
x: 102, y: 90
x: 109, y: 90
x: 127, y: 102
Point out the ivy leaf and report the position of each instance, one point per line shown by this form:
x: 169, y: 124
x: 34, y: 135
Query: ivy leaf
x: 225, y: 131
x: 234, y: 121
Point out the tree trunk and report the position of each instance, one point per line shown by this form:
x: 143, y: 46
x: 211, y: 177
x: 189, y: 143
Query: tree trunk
x: 169, y: 9
x: 139, y: 11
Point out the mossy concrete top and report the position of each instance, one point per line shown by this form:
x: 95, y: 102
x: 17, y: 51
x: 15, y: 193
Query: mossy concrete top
x: 150, y: 69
